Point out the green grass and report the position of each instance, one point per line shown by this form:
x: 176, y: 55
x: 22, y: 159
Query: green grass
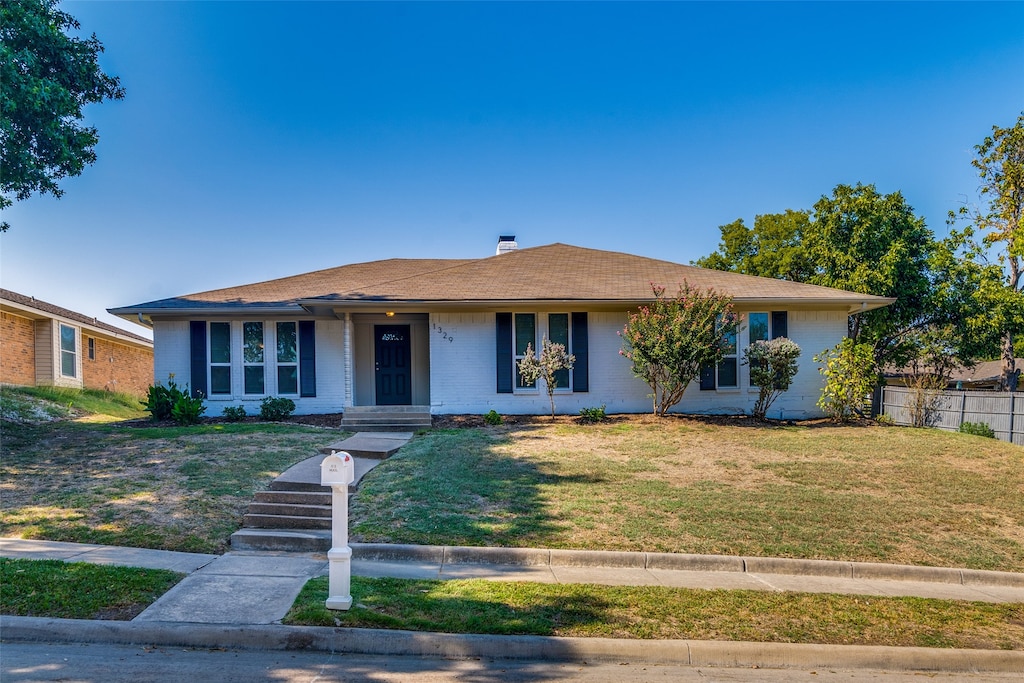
x: 18, y: 402
x: 478, y: 606
x: 51, y: 588
x: 734, y: 487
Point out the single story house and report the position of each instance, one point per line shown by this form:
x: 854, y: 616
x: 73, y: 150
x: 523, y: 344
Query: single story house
x: 445, y: 334
x: 982, y: 376
x: 42, y: 344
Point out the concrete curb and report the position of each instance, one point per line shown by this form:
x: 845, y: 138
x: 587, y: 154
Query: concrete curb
x: 533, y: 557
x: 453, y: 646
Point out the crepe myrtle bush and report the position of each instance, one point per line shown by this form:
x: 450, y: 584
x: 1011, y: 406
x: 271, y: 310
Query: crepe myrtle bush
x: 669, y: 340
x: 553, y: 358
x: 772, y: 369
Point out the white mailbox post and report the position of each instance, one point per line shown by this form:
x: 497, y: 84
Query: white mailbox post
x: 338, y: 471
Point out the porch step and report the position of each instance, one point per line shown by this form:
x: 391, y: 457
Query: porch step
x: 385, y: 418
x: 288, y: 540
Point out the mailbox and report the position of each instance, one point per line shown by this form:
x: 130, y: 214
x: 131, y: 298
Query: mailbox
x: 337, y: 468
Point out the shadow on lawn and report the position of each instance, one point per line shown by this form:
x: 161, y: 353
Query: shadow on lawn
x: 454, y: 487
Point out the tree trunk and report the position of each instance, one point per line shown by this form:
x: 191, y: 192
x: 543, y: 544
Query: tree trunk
x: 1008, y: 381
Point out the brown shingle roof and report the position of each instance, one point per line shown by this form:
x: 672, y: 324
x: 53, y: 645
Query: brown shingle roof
x: 556, y: 272
x: 52, y: 309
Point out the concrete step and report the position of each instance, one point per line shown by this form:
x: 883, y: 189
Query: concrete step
x: 370, y: 410
x: 295, y: 497
x: 287, y: 540
x: 299, y: 486
x: 289, y: 509
x: 261, y: 521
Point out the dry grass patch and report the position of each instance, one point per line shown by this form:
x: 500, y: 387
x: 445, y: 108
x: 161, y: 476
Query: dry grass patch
x: 719, y: 486
x: 151, y: 487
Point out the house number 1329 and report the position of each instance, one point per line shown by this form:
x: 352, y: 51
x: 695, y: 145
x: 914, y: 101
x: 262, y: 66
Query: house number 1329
x: 441, y: 331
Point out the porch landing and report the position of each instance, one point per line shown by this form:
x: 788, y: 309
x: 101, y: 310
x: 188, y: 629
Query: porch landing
x: 385, y: 418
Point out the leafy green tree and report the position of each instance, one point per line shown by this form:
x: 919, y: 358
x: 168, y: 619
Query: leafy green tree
x: 860, y: 240
x: 773, y: 365
x: 849, y: 378
x: 46, y: 78
x: 552, y: 360
x: 772, y: 248
x: 999, y: 160
x: 669, y: 340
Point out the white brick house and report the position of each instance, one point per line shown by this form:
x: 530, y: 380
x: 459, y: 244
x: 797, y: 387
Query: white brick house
x: 446, y: 333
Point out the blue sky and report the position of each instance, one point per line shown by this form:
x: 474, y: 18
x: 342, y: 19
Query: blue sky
x: 263, y: 139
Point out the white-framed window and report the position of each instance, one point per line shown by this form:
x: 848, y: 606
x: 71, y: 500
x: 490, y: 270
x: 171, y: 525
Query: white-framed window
x: 253, y: 356
x: 524, y: 333
x: 68, y: 351
x: 560, y: 332
x: 287, y: 358
x: 220, y: 359
x: 728, y: 369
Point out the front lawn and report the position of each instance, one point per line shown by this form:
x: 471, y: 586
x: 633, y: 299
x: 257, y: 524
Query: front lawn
x: 694, y: 485
x: 655, y: 612
x: 62, y: 590
x: 173, y: 488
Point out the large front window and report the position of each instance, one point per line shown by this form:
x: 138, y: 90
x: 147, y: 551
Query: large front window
x: 68, y: 352
x: 287, y: 359
x: 525, y: 330
x: 220, y: 358
x: 728, y: 368
x: 252, y: 358
x: 558, y: 333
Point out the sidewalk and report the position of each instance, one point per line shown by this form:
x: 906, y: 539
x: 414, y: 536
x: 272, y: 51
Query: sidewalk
x: 240, y: 591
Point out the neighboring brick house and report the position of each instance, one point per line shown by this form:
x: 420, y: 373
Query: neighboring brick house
x: 45, y: 345
x: 444, y: 335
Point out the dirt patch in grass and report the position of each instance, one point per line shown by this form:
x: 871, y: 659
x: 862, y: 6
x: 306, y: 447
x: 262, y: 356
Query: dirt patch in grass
x: 719, y: 485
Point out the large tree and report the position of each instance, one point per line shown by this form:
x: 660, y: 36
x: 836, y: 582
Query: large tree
x: 46, y: 78
x: 863, y: 241
x: 772, y: 248
x: 999, y: 161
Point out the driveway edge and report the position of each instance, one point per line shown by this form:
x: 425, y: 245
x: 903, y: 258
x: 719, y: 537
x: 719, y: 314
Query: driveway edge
x: 457, y: 646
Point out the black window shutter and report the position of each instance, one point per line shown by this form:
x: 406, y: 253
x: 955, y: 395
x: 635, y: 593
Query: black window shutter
x: 780, y: 324
x: 580, y: 349
x: 503, y: 351
x: 307, y: 357
x: 707, y: 377
x: 197, y: 343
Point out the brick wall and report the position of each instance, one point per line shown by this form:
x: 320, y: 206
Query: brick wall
x: 17, y: 350
x: 116, y: 367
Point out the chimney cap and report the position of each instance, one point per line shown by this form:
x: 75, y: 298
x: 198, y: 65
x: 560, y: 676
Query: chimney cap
x: 506, y: 238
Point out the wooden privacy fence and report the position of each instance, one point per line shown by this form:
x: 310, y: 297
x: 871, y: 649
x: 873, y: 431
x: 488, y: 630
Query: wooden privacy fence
x: 1002, y: 411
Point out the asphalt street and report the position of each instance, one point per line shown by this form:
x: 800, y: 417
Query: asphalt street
x: 96, y: 663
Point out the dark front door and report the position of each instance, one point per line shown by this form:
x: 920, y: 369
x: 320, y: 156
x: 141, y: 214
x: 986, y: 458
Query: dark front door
x: 393, y: 366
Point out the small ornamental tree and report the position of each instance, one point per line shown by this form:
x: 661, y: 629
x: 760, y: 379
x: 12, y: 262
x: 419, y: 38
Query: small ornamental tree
x: 553, y: 358
x: 849, y: 378
x: 672, y: 338
x: 772, y: 368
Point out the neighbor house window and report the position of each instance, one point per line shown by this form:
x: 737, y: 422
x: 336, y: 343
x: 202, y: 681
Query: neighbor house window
x: 287, y: 359
x: 68, y: 351
x: 92, y: 349
x: 558, y: 333
x: 525, y: 331
x: 220, y: 358
x: 252, y: 358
